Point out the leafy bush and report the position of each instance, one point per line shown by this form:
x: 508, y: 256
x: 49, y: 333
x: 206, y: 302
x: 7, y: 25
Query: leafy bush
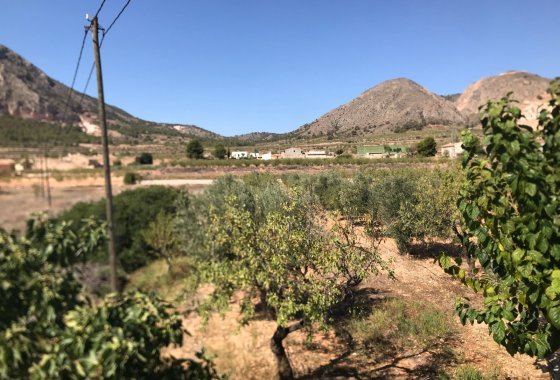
x: 402, y: 324
x: 427, y: 147
x: 131, y: 178
x: 144, y: 159
x: 133, y: 212
x: 195, y: 150
x: 49, y: 331
x: 120, y: 338
x: 220, y: 151
x: 510, y: 208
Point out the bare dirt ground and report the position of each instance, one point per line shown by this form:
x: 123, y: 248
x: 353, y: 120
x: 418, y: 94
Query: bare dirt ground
x: 244, y: 352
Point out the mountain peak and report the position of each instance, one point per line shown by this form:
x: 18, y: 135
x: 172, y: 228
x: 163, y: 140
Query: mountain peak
x: 393, y: 105
x: 529, y: 89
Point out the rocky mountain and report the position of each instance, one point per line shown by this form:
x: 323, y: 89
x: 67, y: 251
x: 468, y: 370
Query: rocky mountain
x: 27, y: 92
x: 394, y: 105
x: 528, y: 89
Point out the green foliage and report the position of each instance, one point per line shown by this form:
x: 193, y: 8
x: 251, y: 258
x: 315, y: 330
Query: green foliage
x: 37, y: 288
x: 510, y: 207
x: 262, y: 241
x: 470, y: 373
x: 406, y: 205
x: 31, y: 133
x: 327, y: 187
x: 402, y: 324
x: 121, y: 338
x: 48, y: 330
x: 160, y: 237
x: 391, y: 193
x: 131, y: 178
x: 133, y: 211
x: 220, y: 151
x: 431, y: 213
x: 144, y: 159
x: 427, y: 147
x: 195, y: 150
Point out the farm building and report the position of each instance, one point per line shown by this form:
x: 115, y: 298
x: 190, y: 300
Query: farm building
x: 6, y: 166
x: 382, y: 151
x: 317, y: 154
x: 239, y: 154
x: 266, y: 156
x: 293, y: 153
x: 451, y: 150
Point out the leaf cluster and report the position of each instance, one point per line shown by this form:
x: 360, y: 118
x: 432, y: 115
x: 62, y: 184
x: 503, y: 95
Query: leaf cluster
x: 510, y: 209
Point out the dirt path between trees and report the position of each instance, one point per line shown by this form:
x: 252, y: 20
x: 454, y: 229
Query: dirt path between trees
x: 244, y: 351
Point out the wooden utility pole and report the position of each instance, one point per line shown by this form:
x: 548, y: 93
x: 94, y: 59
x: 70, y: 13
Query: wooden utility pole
x: 106, y: 163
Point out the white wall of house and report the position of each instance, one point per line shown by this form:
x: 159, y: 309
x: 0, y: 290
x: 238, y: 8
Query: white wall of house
x: 254, y: 155
x: 452, y: 150
x: 239, y: 154
x: 317, y: 154
x: 266, y: 156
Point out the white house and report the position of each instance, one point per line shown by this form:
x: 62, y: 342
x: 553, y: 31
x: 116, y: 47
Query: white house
x: 239, y: 154
x: 254, y: 155
x: 266, y: 156
x: 317, y: 154
x: 451, y: 150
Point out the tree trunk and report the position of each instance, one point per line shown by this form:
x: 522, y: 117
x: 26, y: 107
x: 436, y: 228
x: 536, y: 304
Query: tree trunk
x: 553, y: 362
x: 284, y: 367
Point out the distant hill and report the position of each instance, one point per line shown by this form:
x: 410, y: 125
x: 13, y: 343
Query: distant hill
x: 258, y: 137
x: 529, y: 89
x: 27, y: 92
x: 393, y: 106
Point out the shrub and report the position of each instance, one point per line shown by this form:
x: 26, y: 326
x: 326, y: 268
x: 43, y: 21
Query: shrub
x: 49, y: 331
x: 130, y: 178
x: 402, y: 324
x: 427, y: 147
x: 195, y: 150
x: 133, y: 212
x: 220, y: 151
x: 145, y: 159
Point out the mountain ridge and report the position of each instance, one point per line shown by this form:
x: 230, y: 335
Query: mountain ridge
x: 28, y: 92
x: 395, y: 105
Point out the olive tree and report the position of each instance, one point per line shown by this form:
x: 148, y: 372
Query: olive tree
x: 510, y: 209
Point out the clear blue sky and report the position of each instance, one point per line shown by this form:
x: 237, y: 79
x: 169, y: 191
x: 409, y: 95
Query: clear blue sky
x: 261, y: 65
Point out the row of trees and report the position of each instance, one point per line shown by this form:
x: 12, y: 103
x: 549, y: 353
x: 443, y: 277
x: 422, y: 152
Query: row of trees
x: 290, y: 251
x: 195, y: 150
x: 261, y: 240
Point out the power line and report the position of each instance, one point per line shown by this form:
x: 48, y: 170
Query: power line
x: 100, y: 45
x: 83, y: 94
x: 100, y: 8
x: 115, y: 20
